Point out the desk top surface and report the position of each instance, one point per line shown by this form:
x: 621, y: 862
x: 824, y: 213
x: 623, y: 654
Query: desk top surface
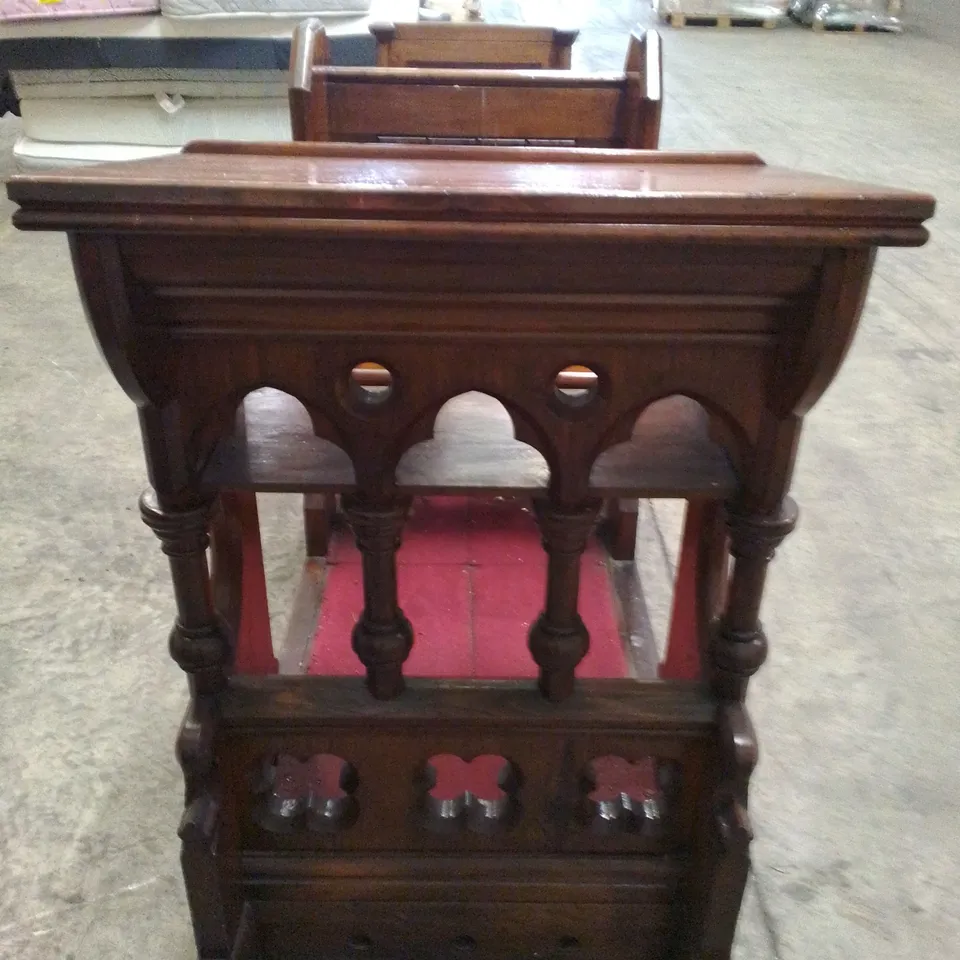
x: 318, y: 182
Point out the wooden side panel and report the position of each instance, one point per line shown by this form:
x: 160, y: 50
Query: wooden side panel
x: 472, y: 46
x: 488, y: 930
x: 549, y: 754
x: 360, y: 111
x: 462, y: 268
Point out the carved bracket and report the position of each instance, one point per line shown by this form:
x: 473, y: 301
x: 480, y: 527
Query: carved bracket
x: 625, y: 795
x: 316, y: 793
x: 738, y: 751
x: 477, y: 793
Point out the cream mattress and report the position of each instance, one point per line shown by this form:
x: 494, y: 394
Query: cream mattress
x: 14, y: 10
x: 29, y: 154
x: 167, y: 117
x: 278, y: 24
x: 207, y: 9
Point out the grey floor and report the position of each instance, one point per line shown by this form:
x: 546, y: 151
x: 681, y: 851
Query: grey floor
x: 857, y: 798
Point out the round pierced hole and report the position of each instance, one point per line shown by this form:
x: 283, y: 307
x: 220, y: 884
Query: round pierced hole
x: 575, y: 387
x: 569, y: 943
x: 464, y: 943
x: 371, y: 385
x: 360, y: 943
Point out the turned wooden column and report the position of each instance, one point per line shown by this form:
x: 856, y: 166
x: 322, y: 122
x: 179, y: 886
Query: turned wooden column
x: 201, y: 646
x: 383, y: 637
x: 559, y: 640
x: 740, y: 645
x: 198, y: 641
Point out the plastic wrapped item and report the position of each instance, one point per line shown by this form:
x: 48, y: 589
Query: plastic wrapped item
x: 12, y: 10
x: 882, y: 15
x: 742, y: 9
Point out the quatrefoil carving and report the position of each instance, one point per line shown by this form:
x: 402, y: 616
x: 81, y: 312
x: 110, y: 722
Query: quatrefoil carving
x: 316, y: 793
x: 477, y: 792
x: 625, y: 795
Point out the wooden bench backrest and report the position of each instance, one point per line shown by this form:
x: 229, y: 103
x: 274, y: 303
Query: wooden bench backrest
x: 475, y: 106
x: 472, y: 45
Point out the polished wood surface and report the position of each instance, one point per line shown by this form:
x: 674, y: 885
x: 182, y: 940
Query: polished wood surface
x: 625, y: 195
x: 475, y: 105
x: 326, y: 816
x: 472, y: 45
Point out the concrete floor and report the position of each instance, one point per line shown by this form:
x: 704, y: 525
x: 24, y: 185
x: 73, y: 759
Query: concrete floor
x: 856, y: 798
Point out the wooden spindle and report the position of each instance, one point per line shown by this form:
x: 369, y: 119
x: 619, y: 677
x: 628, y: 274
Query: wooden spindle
x: 559, y: 640
x: 201, y: 646
x: 383, y: 637
x: 740, y: 646
x: 199, y: 640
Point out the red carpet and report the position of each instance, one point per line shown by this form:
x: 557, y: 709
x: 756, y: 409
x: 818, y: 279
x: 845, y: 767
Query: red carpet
x: 471, y: 576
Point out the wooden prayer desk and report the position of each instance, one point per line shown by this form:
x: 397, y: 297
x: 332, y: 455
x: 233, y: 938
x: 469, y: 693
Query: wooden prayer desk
x: 595, y: 819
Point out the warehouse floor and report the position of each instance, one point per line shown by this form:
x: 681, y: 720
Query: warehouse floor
x: 856, y: 798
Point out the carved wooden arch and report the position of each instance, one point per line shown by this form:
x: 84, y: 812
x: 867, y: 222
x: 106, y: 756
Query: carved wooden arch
x: 526, y: 428
x: 732, y: 434
x: 219, y: 419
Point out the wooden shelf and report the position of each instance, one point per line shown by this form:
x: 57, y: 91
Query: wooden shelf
x: 472, y: 451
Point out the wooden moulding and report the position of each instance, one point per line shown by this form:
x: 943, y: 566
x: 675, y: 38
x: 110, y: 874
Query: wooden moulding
x: 669, y: 455
x: 292, y: 704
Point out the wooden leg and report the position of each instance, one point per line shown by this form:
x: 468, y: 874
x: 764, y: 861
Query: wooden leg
x: 682, y: 661
x: 201, y: 876
x: 723, y: 861
x: 198, y: 641
x: 698, y: 590
x: 201, y: 647
x: 319, y: 510
x: 240, y: 583
x: 739, y: 645
x: 621, y: 528
x: 383, y: 637
x: 559, y: 639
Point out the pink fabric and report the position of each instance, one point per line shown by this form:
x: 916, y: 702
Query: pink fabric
x: 62, y: 9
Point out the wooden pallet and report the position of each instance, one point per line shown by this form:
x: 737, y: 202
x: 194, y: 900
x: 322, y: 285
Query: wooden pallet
x: 723, y: 20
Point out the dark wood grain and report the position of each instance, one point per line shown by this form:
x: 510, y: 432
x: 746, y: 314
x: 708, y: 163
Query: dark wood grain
x: 289, y: 704
x: 471, y: 45
x: 695, y: 289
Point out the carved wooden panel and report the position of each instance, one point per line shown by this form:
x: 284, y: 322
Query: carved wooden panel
x: 315, y: 794
x: 476, y: 793
x: 549, y: 749
x: 625, y: 795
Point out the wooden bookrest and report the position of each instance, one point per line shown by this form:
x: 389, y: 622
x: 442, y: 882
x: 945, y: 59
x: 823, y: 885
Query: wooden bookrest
x: 395, y: 818
x: 504, y: 107
x: 472, y: 46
